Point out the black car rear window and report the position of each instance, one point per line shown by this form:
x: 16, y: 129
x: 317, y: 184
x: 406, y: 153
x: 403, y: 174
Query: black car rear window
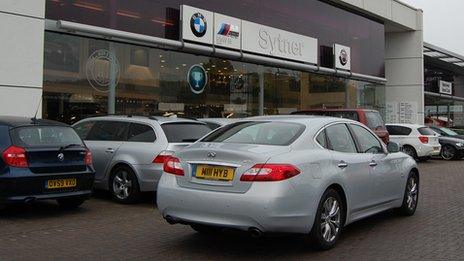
x: 398, y: 130
x: 257, y: 132
x: 184, y: 131
x: 44, y: 136
x: 426, y: 131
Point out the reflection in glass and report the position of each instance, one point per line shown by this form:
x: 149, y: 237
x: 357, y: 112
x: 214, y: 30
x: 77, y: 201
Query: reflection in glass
x: 106, y: 77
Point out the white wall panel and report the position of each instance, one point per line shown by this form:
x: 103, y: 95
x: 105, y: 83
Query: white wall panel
x: 21, y: 50
x: 35, y: 8
x: 16, y: 101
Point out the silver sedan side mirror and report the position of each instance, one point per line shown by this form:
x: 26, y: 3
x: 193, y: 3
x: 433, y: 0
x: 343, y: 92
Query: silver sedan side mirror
x: 393, y: 147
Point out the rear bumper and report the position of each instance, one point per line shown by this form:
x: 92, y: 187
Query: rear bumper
x: 271, y: 207
x: 428, y: 150
x: 33, y: 187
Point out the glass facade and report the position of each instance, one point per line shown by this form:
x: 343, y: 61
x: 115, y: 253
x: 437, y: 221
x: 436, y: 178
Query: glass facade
x: 443, y: 110
x: 85, y: 77
x: 329, y: 24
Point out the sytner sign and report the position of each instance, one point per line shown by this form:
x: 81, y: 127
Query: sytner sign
x: 257, y: 38
x: 224, y: 31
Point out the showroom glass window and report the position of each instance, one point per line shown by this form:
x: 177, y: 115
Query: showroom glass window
x: 81, y: 75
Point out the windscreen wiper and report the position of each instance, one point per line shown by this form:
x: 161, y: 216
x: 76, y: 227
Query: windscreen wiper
x: 70, y: 146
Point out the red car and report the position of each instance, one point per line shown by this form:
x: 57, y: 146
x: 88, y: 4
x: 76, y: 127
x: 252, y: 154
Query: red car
x: 370, y: 118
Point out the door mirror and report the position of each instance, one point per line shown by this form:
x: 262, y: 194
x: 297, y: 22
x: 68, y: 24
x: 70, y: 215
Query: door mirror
x: 393, y: 147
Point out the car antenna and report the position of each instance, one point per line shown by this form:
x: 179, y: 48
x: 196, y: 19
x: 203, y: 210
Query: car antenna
x: 34, y: 119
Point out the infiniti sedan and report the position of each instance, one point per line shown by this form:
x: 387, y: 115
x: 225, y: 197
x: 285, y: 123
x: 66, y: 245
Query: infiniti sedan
x: 293, y: 174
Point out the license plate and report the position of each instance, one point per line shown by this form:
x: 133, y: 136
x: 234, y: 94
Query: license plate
x: 61, y: 183
x: 214, y: 173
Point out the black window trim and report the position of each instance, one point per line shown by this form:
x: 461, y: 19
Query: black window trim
x: 141, y: 123
x: 123, y: 135
x: 329, y: 145
x: 356, y: 141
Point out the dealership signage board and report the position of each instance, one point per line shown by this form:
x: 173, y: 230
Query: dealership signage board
x: 446, y: 87
x: 197, y: 24
x: 227, y: 31
x: 342, y: 56
x: 210, y: 28
x: 261, y: 39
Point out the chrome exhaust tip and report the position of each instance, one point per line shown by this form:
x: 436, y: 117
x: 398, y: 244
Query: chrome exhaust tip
x: 170, y: 220
x: 255, y: 232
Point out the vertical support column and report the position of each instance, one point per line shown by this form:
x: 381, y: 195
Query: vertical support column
x: 22, y: 50
x: 261, y: 89
x: 404, y: 69
x: 112, y: 82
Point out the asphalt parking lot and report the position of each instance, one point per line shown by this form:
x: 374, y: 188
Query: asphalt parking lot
x: 104, y: 230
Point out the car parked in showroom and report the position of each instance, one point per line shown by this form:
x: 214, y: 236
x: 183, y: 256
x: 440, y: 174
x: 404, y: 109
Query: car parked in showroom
x: 452, y: 144
x: 129, y: 151
x: 41, y: 160
x: 293, y: 174
x: 418, y: 141
x: 370, y: 118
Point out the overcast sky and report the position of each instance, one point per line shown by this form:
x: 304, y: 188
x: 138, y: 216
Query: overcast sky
x: 443, y: 22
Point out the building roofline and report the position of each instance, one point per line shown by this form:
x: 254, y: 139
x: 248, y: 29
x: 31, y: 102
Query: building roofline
x: 443, y: 55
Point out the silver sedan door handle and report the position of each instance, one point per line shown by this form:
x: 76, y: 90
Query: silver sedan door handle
x: 342, y: 164
x: 373, y: 163
x: 109, y: 150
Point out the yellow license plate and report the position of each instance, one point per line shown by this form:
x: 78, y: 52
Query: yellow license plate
x: 214, y: 173
x: 61, y: 183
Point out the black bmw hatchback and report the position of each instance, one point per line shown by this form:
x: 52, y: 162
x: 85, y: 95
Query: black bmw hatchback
x: 42, y: 159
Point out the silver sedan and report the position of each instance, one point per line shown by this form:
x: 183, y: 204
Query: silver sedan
x: 297, y: 174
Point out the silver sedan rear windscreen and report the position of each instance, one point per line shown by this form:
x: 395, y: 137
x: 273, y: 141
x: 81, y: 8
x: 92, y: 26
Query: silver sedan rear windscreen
x: 257, y: 132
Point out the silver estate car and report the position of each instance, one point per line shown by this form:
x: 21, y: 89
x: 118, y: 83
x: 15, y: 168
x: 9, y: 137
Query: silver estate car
x: 129, y: 152
x: 293, y: 174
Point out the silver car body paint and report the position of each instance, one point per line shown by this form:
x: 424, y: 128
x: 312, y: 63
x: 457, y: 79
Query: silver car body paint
x: 289, y: 205
x: 137, y: 155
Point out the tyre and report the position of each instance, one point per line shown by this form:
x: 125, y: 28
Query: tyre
x: 411, y: 195
x: 448, y: 152
x: 124, y: 186
x: 70, y: 203
x: 207, y: 230
x: 410, y: 151
x: 329, y: 220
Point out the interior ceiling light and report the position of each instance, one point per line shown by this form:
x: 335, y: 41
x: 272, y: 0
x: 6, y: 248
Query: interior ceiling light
x: 450, y: 59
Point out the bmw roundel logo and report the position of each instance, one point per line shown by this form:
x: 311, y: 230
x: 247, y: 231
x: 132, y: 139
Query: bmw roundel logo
x: 197, y: 78
x: 60, y: 157
x: 198, y: 25
x: 343, y: 57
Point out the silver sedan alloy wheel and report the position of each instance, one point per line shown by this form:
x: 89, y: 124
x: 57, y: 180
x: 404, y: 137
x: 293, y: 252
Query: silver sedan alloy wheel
x: 122, y: 185
x: 330, y: 219
x: 412, y: 193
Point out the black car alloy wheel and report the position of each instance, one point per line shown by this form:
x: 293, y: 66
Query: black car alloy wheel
x: 448, y: 152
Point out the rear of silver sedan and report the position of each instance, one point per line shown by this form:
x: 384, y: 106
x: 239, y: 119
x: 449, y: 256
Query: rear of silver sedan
x: 232, y: 181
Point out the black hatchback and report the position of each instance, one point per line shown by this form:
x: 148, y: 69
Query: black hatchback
x: 42, y: 159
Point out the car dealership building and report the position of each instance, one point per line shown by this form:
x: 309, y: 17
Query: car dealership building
x: 71, y: 59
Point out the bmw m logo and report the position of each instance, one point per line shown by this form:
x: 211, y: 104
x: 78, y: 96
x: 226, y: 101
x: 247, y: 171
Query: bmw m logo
x: 198, y: 25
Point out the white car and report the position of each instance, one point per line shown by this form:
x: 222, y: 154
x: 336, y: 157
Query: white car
x: 418, y: 141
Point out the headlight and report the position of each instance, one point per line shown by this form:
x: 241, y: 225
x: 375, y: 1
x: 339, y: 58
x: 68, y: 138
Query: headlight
x: 459, y: 144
